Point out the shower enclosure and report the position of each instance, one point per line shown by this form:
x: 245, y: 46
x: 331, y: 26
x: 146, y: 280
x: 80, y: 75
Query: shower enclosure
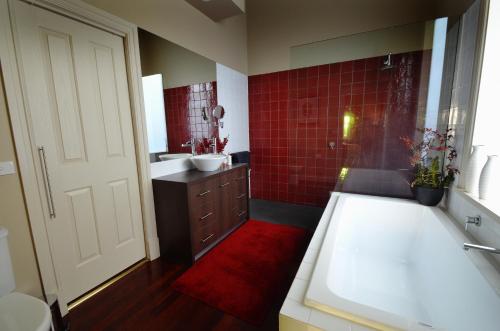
x: 334, y: 122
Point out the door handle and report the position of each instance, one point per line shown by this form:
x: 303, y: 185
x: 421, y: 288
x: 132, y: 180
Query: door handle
x: 207, y: 238
x: 223, y: 185
x: 240, y: 196
x: 242, y: 213
x: 206, y: 216
x: 46, y: 182
x: 204, y: 193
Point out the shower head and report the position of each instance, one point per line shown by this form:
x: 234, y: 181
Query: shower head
x: 388, y: 63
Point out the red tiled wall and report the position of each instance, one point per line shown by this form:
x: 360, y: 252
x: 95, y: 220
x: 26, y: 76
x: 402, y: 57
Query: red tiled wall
x: 183, y: 108
x: 296, y: 114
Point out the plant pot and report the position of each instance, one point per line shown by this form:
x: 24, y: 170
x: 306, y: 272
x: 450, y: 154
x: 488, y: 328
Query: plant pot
x: 428, y: 196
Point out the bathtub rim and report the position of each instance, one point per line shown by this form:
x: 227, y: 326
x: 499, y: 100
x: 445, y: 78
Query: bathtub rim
x: 483, y: 264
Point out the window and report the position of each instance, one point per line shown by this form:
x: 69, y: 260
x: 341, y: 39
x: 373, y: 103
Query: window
x: 486, y: 129
x: 487, y: 124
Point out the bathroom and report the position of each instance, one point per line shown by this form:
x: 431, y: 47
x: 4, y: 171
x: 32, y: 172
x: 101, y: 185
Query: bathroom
x: 249, y: 165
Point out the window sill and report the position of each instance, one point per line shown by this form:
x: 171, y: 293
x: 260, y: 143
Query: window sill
x: 487, y: 207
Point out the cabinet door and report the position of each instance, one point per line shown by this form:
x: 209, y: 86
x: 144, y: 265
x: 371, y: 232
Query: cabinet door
x: 226, y: 201
x: 203, y: 236
x: 240, y: 196
x: 203, y: 214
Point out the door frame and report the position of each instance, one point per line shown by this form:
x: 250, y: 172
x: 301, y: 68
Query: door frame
x: 27, y: 159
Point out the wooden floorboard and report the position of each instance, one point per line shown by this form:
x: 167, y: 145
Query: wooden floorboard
x: 144, y: 300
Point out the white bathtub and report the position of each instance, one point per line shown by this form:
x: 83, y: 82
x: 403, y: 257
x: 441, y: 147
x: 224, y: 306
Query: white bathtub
x: 392, y: 264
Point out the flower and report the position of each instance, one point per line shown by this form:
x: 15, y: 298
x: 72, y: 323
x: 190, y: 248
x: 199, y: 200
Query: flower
x: 221, y: 144
x: 432, y: 158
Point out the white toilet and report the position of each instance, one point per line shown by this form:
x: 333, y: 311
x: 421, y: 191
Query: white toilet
x: 18, y: 312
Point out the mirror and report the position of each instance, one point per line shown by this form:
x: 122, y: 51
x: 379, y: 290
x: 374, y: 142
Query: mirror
x: 218, y: 112
x: 218, y: 115
x: 180, y: 98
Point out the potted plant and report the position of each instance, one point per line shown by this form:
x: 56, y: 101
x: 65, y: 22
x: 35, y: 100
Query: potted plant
x: 432, y: 159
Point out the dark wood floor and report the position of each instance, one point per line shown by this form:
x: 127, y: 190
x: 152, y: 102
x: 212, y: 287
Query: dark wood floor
x: 143, y: 300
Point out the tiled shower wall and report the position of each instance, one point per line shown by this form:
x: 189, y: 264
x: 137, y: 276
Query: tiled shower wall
x: 184, y: 114
x: 310, y: 127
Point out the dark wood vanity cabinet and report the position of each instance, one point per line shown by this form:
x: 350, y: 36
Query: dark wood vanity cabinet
x: 196, y: 210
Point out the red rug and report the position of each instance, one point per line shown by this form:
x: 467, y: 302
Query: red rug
x: 246, y: 272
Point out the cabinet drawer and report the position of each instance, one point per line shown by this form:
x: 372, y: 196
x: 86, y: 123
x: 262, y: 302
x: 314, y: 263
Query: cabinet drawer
x: 240, y: 215
x: 203, y: 214
x: 225, y: 181
x: 203, y: 192
x: 241, y: 204
x: 203, y: 236
x: 240, y: 182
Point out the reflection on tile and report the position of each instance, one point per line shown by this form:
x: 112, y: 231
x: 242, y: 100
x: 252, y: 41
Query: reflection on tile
x: 184, y: 114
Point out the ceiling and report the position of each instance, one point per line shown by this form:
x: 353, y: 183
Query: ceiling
x: 218, y: 10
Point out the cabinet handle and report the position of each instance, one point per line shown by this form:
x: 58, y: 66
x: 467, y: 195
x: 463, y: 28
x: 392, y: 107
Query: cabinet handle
x: 242, y: 213
x: 240, y: 196
x: 204, y: 193
x: 240, y: 178
x: 225, y: 184
x: 46, y: 181
x: 207, y: 238
x: 207, y: 215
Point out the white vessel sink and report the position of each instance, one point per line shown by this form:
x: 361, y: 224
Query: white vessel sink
x: 208, y: 162
x: 174, y: 156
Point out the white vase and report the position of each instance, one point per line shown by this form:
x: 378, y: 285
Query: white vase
x: 476, y: 163
x: 488, y: 187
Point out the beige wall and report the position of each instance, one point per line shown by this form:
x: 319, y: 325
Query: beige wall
x: 177, y: 21
x: 13, y: 213
x: 178, y: 66
x: 270, y: 28
x: 275, y: 26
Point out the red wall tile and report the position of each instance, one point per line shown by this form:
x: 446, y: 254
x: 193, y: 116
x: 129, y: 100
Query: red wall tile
x: 295, y: 114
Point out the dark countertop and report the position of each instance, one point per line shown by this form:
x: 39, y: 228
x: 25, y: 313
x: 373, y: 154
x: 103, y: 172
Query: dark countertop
x: 195, y: 175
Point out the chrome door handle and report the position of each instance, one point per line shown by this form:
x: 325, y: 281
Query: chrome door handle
x: 242, y: 213
x: 46, y: 182
x: 207, y: 238
x: 240, y: 196
x: 207, y: 215
x: 223, y: 185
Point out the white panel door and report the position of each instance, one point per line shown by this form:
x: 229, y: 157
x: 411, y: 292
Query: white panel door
x: 78, y: 104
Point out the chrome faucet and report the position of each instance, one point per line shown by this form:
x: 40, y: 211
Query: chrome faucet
x: 214, y: 145
x: 487, y: 249
x: 476, y: 220
x: 190, y: 143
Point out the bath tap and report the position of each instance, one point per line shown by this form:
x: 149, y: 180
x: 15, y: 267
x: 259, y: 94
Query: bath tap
x: 190, y: 143
x: 476, y: 220
x: 487, y: 249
